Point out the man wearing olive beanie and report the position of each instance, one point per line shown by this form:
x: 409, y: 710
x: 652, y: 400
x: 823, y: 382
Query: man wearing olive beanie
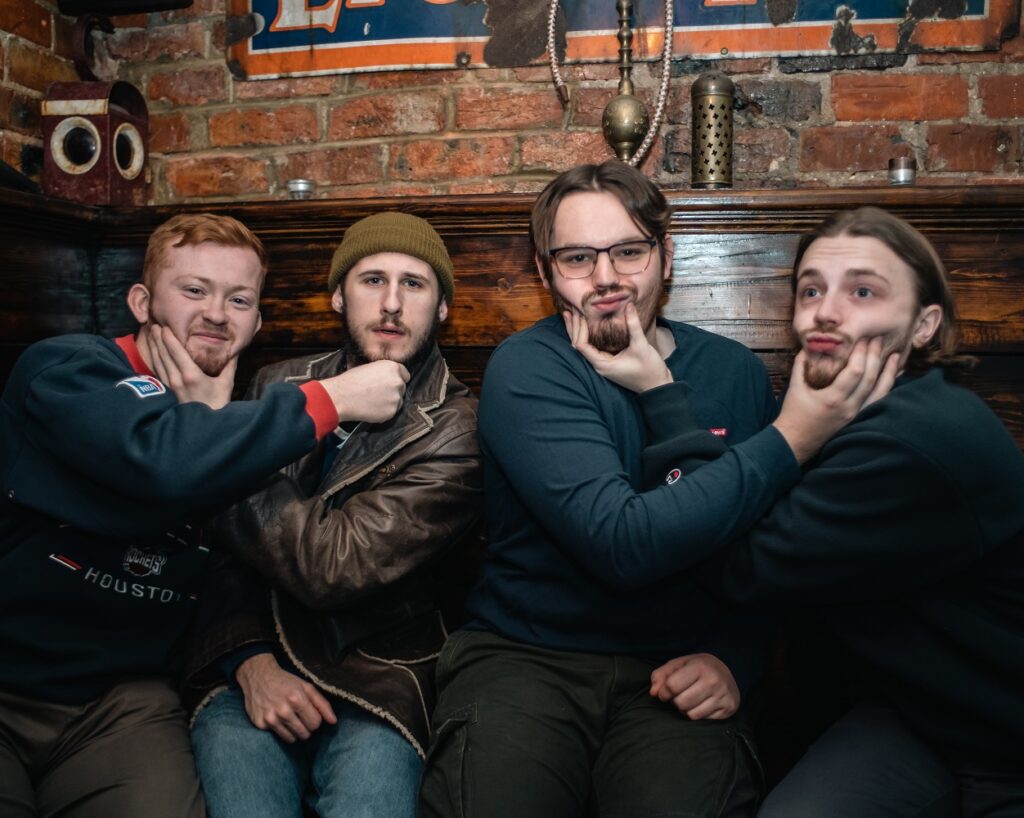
x: 313, y: 679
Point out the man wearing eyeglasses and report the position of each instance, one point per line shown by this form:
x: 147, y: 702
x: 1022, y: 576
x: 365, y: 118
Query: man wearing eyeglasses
x: 546, y: 705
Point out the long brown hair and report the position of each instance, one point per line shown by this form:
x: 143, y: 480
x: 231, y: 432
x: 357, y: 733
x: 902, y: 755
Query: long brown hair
x: 930, y: 278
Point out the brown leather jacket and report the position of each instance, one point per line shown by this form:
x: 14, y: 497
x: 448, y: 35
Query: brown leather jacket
x: 358, y: 562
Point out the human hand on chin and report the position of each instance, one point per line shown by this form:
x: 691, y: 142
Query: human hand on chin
x: 176, y: 369
x: 810, y: 417
x: 638, y: 367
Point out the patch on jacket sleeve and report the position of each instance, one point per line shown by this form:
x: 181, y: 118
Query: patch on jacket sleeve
x: 144, y: 386
x: 673, y: 476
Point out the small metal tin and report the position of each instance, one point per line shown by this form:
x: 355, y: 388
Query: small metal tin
x: 300, y: 188
x: 902, y: 170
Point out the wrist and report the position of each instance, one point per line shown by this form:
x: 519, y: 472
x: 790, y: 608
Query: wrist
x: 796, y: 438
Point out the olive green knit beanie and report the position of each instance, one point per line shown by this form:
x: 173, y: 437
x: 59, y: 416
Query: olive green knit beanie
x: 393, y: 233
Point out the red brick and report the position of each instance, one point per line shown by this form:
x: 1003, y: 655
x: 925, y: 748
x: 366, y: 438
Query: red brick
x: 157, y: 43
x: 20, y: 112
x: 11, y: 147
x: 1002, y: 96
x: 448, y: 159
x: 391, y: 190
x: 129, y: 20
x: 196, y: 176
x: 419, y: 112
x: 355, y: 165
x: 775, y: 101
x: 898, y: 96
x: 678, y: 105
x: 855, y: 148
x: 535, y: 73
x: 654, y: 159
x: 382, y: 80
x: 588, y: 104
x: 36, y: 69
x: 255, y: 126
x: 287, y: 88
x: 494, y: 109
x: 218, y: 37
x: 489, y: 75
x: 760, y: 150
x: 478, y: 188
x: 591, y: 72
x: 169, y: 133
x: 189, y: 86
x: 563, y: 149
x: 966, y: 148
x: 26, y: 19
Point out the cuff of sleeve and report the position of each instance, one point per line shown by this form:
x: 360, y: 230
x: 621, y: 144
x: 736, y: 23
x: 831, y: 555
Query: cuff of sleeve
x: 772, y: 456
x: 666, y: 410
x: 230, y: 663
x: 320, y: 408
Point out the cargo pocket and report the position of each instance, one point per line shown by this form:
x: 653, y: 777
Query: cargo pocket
x: 443, y: 791
x: 748, y: 782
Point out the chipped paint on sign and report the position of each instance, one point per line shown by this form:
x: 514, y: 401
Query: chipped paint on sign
x: 274, y: 38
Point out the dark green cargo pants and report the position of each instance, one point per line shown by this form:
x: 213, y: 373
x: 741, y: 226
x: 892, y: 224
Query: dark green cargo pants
x: 521, y: 731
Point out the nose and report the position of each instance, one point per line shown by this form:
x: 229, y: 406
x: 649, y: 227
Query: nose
x: 604, y: 275
x: 392, y: 302
x: 214, y: 311
x: 828, y: 311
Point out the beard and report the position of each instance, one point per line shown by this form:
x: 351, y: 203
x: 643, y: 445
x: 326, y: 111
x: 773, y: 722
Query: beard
x: 609, y: 333
x: 210, y: 361
x: 357, y: 352
x: 821, y: 371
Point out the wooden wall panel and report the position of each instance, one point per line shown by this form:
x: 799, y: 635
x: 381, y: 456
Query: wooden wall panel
x: 66, y: 268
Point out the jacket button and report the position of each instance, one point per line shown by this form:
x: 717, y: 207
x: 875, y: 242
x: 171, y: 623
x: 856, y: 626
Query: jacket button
x: 10, y: 494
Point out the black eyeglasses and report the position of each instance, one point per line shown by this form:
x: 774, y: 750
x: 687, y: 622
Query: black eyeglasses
x: 628, y: 258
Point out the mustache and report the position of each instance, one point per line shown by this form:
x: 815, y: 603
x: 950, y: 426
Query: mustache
x: 210, y: 329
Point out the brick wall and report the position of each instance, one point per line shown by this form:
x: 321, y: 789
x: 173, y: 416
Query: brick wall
x: 35, y: 50
x: 814, y: 122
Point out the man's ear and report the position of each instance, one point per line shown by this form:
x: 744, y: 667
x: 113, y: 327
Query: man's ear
x: 442, y: 310
x: 928, y: 322
x: 138, y: 302
x: 259, y: 322
x: 541, y: 272
x: 337, y: 302
x: 666, y: 273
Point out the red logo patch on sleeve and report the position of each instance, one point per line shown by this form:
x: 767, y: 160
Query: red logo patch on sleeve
x: 719, y: 431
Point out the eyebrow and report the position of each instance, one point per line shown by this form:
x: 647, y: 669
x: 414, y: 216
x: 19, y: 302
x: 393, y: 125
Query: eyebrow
x: 411, y: 273
x: 185, y: 277
x: 853, y: 272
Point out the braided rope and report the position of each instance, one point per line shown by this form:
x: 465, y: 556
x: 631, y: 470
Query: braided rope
x: 666, y: 73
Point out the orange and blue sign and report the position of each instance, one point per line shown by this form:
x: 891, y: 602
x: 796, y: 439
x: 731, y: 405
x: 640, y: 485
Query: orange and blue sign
x: 307, y: 37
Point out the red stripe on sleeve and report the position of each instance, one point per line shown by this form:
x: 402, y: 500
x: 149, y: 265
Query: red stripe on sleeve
x: 320, y: 408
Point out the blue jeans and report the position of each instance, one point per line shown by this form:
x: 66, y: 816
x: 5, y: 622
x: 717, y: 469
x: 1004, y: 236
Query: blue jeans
x: 869, y: 765
x: 359, y: 768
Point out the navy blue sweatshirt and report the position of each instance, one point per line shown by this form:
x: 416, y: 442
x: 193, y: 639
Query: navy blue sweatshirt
x: 102, y: 469
x: 906, y: 535
x: 580, y: 558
